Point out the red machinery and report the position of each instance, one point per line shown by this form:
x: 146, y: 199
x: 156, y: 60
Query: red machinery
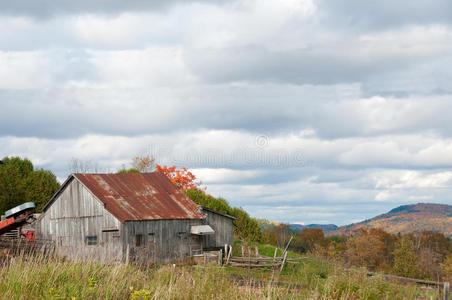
x: 18, y: 217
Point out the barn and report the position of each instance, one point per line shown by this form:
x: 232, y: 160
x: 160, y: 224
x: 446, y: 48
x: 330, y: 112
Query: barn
x: 132, y: 216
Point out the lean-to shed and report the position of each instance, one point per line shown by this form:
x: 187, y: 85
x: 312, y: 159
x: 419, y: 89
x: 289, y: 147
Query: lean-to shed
x: 117, y: 217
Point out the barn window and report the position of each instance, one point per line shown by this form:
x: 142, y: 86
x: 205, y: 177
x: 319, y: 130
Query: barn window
x: 151, y: 238
x: 91, y: 240
x: 138, y: 240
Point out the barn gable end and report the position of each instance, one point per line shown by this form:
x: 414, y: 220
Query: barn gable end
x: 79, y: 225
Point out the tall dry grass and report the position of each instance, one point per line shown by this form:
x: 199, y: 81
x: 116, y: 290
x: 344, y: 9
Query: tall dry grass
x: 34, y: 277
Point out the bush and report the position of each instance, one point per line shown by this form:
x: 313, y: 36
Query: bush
x: 245, y: 227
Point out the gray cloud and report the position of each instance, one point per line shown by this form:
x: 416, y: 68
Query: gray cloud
x: 299, y: 67
x: 360, y: 15
x: 49, y: 8
x: 260, y: 109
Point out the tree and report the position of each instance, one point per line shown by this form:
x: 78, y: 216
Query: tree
x: 432, y: 249
x: 41, y: 185
x: 77, y: 165
x: 370, y: 248
x: 405, y: 256
x: 143, y: 164
x: 13, y: 181
x: 446, y: 267
x: 182, y: 178
x: 124, y: 170
x: 203, y: 199
x: 280, y: 235
x: 20, y: 183
x: 245, y: 227
x: 309, y: 239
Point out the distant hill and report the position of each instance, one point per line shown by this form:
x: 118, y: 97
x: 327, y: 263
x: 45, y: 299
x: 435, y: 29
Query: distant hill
x: 408, y: 218
x: 267, y: 225
x: 325, y: 227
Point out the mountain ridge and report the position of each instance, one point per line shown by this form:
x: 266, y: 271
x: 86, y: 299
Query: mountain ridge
x: 406, y: 219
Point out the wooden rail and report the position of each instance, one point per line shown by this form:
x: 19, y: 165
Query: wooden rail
x: 257, y: 261
x: 445, y: 285
x: 17, y: 246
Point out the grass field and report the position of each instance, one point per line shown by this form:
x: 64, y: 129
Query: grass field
x: 38, y: 278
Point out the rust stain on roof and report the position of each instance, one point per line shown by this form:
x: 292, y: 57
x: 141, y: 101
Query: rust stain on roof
x: 140, y: 196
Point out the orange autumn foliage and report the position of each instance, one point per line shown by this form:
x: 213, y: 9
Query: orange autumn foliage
x: 182, y: 178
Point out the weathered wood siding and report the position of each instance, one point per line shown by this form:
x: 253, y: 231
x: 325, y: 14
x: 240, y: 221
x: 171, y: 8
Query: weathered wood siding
x: 223, y: 227
x: 75, y: 215
x: 161, y: 241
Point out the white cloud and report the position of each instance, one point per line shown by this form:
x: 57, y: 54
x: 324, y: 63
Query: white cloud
x: 297, y: 110
x: 404, y: 179
x: 142, y: 68
x: 223, y: 175
x: 24, y: 70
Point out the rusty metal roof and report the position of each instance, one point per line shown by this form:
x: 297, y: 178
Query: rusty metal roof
x: 140, y: 196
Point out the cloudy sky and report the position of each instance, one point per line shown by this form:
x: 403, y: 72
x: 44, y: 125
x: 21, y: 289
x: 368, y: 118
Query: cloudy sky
x: 308, y: 111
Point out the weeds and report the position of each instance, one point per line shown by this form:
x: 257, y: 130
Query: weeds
x: 40, y: 278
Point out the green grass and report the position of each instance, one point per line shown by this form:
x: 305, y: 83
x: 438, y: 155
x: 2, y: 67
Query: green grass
x: 264, y: 249
x: 38, y: 278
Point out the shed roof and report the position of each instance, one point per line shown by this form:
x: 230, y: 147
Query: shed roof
x: 140, y: 196
x: 218, y: 213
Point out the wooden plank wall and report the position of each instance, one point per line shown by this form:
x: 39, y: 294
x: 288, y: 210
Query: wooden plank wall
x: 76, y: 214
x: 73, y: 216
x: 162, y: 241
x: 223, y: 227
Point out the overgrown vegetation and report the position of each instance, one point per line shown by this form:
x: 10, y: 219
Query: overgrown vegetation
x: 38, y: 278
x: 423, y: 255
x: 245, y: 227
x: 20, y: 182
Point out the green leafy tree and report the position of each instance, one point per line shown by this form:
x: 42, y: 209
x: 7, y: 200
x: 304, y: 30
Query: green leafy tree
x: 446, y: 267
x: 201, y: 198
x: 245, y: 227
x: 13, y: 181
x: 124, y: 170
x: 20, y: 183
x: 405, y: 256
x: 41, y: 185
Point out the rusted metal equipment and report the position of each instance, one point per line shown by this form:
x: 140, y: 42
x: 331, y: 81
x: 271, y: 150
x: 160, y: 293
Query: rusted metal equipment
x: 29, y: 235
x: 17, y: 217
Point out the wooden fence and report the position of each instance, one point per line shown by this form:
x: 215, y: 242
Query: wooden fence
x: 254, y: 260
x: 18, y: 246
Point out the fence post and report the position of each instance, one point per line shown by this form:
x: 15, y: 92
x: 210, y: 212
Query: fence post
x: 229, y: 254
x: 225, y: 251
x: 446, y: 291
x: 283, y: 261
x: 127, y: 254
